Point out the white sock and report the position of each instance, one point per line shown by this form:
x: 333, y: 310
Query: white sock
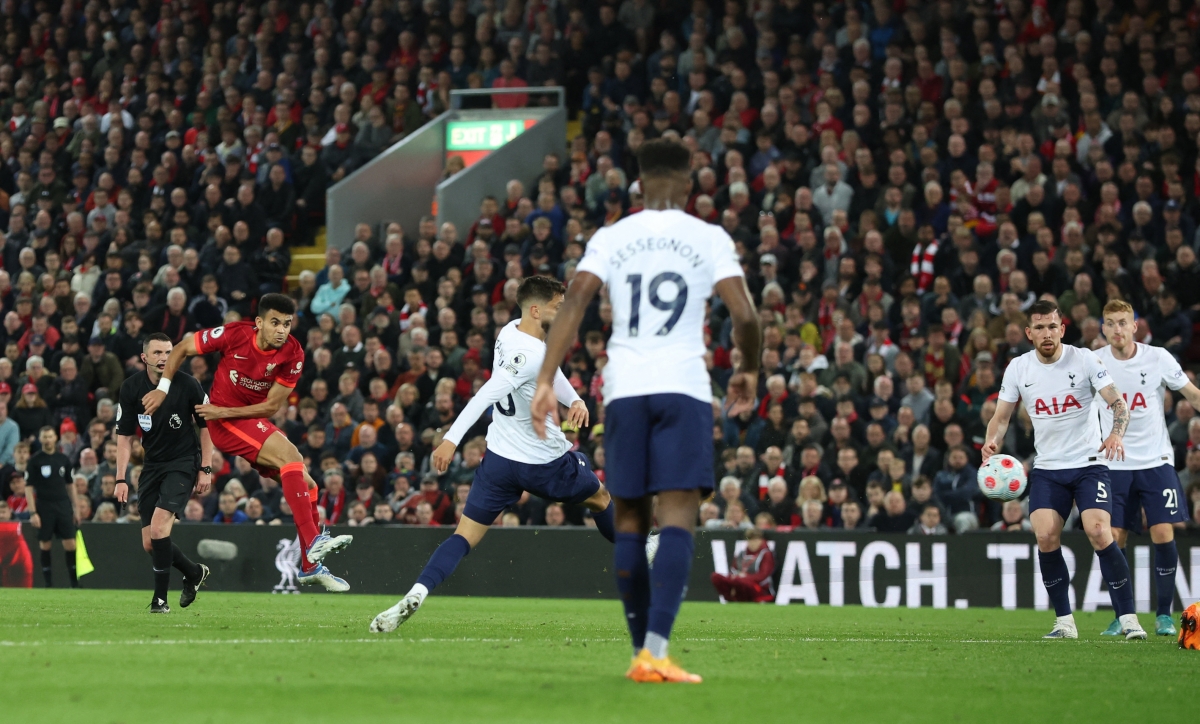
x: 1130, y: 621
x: 1068, y: 620
x: 419, y: 591
x: 657, y: 645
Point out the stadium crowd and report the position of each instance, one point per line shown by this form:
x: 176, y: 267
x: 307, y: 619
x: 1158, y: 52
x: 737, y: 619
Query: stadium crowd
x: 902, y: 179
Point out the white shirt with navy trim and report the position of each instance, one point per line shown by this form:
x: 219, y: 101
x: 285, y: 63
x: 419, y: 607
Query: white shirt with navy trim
x: 1059, y: 400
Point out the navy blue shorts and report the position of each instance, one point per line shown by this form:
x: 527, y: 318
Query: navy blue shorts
x: 1155, y: 490
x: 1056, y: 489
x: 499, y: 483
x: 658, y: 442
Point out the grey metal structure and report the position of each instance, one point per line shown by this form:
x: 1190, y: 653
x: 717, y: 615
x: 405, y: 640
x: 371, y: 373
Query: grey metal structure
x: 403, y: 183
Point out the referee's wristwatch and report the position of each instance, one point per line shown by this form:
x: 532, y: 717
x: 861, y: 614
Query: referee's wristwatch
x: 207, y: 469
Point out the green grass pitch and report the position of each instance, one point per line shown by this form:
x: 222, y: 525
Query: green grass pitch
x: 100, y: 657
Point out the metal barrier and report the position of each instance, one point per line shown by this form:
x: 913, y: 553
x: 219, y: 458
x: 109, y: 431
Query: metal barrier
x: 405, y: 182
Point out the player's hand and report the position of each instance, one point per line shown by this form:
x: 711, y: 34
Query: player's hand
x: 35, y: 520
x: 1113, y: 448
x: 121, y: 492
x: 203, y: 482
x: 544, y: 403
x: 989, y: 449
x: 211, y: 412
x: 442, y: 457
x: 578, y: 414
x: 741, y: 392
x: 152, y: 400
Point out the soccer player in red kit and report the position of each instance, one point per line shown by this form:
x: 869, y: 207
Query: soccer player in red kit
x: 260, y: 365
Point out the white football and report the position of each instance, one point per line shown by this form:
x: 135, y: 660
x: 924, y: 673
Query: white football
x: 1002, y: 477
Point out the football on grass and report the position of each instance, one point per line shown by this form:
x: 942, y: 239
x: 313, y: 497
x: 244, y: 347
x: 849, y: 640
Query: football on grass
x: 1002, y: 477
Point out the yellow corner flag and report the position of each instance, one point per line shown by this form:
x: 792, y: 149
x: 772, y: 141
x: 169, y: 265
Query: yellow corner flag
x: 83, y: 564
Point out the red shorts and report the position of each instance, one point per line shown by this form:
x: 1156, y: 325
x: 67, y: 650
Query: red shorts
x: 242, y: 438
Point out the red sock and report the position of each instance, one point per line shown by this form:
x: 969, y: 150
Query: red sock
x: 296, y: 489
x: 314, y: 495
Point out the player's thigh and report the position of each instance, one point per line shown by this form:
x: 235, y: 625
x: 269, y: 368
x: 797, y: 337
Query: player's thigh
x: 473, y: 531
x: 1158, y: 493
x: 1051, y: 490
x: 567, y: 480
x: 1092, y: 490
x: 681, y: 448
x: 1124, y: 501
x: 497, y: 486
x: 627, y: 448
x: 246, y: 438
x: 277, y: 451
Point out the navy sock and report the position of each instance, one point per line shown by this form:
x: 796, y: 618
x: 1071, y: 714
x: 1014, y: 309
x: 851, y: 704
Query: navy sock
x: 443, y: 561
x: 633, y: 583
x: 668, y: 579
x: 46, y: 570
x: 160, y: 554
x: 1115, y: 570
x: 604, y: 522
x: 1166, y: 560
x: 1057, y: 580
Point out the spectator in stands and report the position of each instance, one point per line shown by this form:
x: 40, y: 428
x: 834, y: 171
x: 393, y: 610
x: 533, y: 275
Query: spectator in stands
x: 228, y: 512
x: 1012, y: 518
x: 895, y: 517
x: 752, y: 580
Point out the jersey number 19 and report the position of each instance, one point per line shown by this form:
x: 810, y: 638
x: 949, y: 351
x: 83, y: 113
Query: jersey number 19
x: 674, y: 306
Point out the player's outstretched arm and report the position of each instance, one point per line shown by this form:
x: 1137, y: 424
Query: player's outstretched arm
x: 747, y: 337
x: 1191, y: 393
x: 1112, y: 446
x: 121, y: 492
x: 186, y: 348
x: 494, y: 390
x: 577, y: 412
x: 996, y: 428
x: 566, y: 325
x: 276, y: 399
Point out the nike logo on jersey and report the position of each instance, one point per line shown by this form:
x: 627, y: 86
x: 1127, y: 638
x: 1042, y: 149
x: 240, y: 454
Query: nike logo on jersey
x: 1029, y: 384
x: 238, y: 356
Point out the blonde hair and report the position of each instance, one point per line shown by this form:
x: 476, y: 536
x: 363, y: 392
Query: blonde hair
x: 1116, y: 306
x: 810, y: 483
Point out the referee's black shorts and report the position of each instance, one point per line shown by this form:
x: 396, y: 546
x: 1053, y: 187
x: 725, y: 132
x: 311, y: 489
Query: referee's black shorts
x: 58, y: 521
x: 167, y: 486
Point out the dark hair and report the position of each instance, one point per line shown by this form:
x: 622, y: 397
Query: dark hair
x: 661, y: 157
x: 1043, y: 307
x: 276, y: 302
x: 156, y: 337
x: 539, y: 289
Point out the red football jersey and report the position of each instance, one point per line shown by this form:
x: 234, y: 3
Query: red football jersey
x: 246, y: 373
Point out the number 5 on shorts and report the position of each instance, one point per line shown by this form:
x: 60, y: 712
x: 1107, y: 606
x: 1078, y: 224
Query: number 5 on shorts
x: 1101, y: 492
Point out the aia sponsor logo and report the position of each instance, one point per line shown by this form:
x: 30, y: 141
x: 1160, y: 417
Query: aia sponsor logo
x: 1139, y: 400
x: 1054, y: 407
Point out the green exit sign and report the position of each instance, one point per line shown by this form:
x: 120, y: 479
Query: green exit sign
x: 482, y: 135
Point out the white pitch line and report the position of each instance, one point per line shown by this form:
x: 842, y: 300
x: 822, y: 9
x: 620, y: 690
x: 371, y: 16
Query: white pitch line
x: 395, y: 640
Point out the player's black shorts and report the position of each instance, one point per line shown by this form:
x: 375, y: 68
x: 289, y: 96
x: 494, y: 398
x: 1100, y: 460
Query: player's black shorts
x: 58, y: 521
x: 167, y: 486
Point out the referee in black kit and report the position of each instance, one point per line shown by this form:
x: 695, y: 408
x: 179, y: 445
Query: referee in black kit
x: 176, y: 460
x: 52, y: 509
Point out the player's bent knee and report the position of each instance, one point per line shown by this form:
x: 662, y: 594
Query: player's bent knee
x: 1162, y: 533
x: 599, y: 501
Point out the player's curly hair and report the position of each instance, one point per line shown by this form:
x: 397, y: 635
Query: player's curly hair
x: 276, y: 302
x: 661, y: 157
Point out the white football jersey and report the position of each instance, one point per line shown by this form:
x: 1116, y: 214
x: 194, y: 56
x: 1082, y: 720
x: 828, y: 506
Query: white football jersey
x: 1141, y: 380
x: 660, y: 268
x: 1058, y: 398
x: 515, y: 366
